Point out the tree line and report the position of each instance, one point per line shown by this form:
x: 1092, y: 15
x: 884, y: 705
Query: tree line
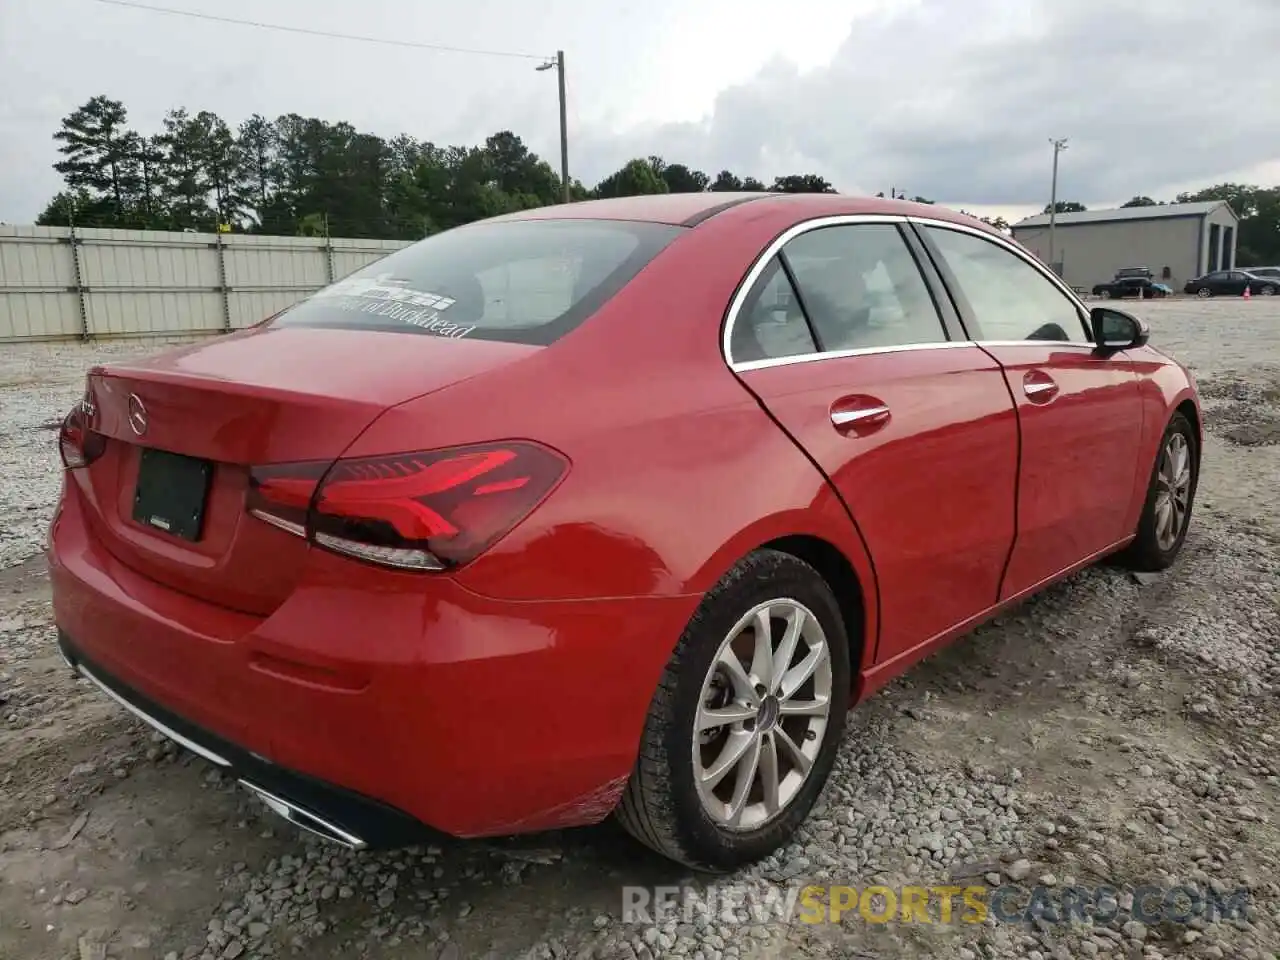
x: 305, y: 176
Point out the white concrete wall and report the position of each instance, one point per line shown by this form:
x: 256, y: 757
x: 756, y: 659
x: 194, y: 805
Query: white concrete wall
x: 129, y: 283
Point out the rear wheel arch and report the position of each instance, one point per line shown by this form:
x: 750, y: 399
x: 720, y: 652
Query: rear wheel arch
x: 838, y: 572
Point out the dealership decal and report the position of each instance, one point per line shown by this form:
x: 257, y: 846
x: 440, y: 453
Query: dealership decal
x: 385, y: 296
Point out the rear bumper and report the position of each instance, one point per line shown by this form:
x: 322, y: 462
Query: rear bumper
x: 376, y: 701
x: 338, y: 815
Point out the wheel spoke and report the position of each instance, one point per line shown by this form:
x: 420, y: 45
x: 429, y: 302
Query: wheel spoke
x: 740, y: 743
x: 792, y: 750
x: 762, y: 656
x: 804, y: 708
x: 787, y: 647
x: 746, y: 778
x: 1178, y: 447
x: 802, y: 671
x: 742, y: 686
x: 711, y: 718
x: 1182, y: 480
x: 769, y: 778
x: 1163, y: 514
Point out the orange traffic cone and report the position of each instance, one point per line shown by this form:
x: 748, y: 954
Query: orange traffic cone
x: 1247, y: 294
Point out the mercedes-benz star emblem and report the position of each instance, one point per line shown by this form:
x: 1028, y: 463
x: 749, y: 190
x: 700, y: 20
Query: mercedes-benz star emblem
x: 137, y: 414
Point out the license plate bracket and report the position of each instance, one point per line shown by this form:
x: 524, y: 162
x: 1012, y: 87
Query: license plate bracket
x: 171, y: 493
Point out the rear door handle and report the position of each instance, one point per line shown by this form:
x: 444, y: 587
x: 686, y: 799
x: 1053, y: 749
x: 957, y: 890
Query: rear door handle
x: 859, y: 412
x: 1038, y: 386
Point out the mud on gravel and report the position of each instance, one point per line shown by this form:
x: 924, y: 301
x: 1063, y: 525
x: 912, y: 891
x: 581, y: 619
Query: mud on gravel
x: 1110, y: 732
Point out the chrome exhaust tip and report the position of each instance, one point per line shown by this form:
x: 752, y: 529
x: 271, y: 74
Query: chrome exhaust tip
x: 304, y: 819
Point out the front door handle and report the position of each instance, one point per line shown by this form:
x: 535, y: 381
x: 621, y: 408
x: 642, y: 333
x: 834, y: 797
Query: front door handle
x: 859, y: 413
x: 1038, y: 386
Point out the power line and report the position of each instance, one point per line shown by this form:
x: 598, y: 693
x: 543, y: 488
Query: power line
x: 324, y: 33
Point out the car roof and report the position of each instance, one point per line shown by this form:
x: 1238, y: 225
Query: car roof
x: 690, y: 209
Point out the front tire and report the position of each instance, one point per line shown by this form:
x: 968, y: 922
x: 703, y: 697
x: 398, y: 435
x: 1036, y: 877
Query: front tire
x: 1204, y: 293
x: 1166, y: 514
x: 746, y: 723
x: 1267, y: 291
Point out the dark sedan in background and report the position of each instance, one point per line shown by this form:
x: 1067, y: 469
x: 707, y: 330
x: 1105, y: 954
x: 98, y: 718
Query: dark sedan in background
x: 1121, y: 287
x: 1232, y: 283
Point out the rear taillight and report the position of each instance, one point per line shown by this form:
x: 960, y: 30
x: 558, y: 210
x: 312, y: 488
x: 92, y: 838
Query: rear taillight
x: 78, y: 444
x: 413, y: 511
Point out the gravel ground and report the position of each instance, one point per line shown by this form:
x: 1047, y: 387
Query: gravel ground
x: 1115, y: 730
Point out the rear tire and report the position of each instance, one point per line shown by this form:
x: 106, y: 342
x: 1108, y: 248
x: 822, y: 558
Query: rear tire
x: 668, y: 805
x: 1267, y: 291
x: 1170, y: 497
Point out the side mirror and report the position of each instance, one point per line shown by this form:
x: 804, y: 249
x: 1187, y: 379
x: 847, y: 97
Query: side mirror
x: 1117, y: 330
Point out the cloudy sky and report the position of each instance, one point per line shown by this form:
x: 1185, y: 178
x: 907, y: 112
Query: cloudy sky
x: 951, y: 99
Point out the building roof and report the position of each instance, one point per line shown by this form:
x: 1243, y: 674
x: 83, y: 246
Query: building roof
x: 1158, y: 212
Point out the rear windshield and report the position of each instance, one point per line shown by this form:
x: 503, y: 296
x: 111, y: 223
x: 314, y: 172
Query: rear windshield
x: 522, y: 281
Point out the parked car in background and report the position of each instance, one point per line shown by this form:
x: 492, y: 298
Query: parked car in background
x: 1143, y: 288
x: 1270, y: 273
x: 1232, y: 283
x: 411, y: 553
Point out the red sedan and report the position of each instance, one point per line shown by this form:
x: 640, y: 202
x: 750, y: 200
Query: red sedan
x: 604, y: 509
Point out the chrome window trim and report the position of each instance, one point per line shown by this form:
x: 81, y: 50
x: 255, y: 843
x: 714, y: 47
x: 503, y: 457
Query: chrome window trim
x: 762, y: 261
x: 857, y: 219
x: 840, y: 354
x: 1084, y: 345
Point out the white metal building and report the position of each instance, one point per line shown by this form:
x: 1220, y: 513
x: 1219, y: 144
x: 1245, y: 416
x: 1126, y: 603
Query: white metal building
x: 1176, y: 241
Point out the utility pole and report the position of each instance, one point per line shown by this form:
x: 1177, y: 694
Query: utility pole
x: 558, y: 65
x: 1058, y: 147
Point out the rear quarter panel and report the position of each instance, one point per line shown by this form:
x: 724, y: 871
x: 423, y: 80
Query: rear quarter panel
x: 676, y: 470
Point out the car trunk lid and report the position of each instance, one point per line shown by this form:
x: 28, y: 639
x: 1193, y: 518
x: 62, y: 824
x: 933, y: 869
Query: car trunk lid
x: 184, y: 428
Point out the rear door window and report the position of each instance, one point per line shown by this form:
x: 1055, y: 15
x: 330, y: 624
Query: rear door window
x: 770, y: 325
x: 522, y: 281
x: 862, y: 288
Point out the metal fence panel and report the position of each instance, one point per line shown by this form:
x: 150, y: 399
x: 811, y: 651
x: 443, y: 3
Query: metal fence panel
x: 37, y: 280
x: 58, y: 283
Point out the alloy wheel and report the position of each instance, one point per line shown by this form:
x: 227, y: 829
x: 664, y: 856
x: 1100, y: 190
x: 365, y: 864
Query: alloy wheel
x: 762, y: 715
x: 1173, y: 490
x: 1204, y: 292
